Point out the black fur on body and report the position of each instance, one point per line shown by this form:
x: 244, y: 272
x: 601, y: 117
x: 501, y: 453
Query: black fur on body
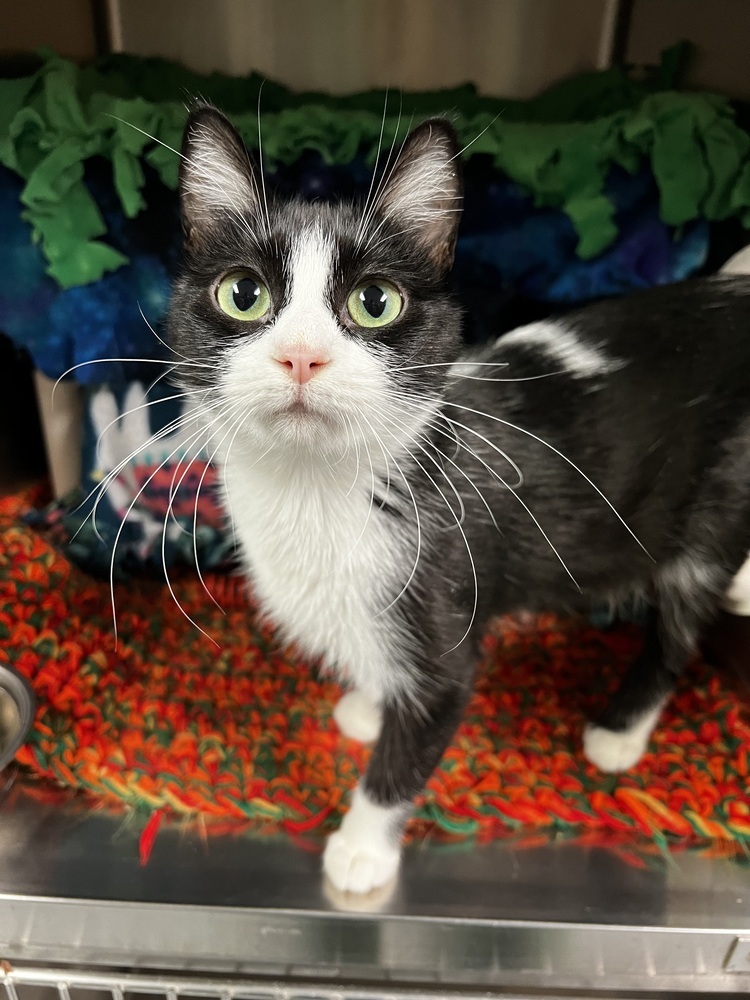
x: 661, y: 430
x: 665, y: 437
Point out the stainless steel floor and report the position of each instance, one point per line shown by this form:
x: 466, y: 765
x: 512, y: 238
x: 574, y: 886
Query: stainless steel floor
x: 553, y: 916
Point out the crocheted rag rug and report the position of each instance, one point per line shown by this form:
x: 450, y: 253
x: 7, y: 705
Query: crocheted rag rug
x: 236, y: 728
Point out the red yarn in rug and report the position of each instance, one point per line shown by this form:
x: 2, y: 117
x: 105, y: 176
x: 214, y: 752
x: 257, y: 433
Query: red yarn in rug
x: 241, y: 730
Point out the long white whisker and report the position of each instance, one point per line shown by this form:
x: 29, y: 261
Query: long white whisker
x: 127, y: 413
x: 209, y: 464
x: 507, y: 486
x: 476, y: 433
x: 358, y: 235
x: 392, y: 419
x: 147, y: 134
x: 466, y: 543
x: 372, y: 489
x: 433, y: 424
x: 169, y: 346
x: 356, y: 451
x: 260, y: 162
x: 224, y: 418
x: 416, y: 515
x: 101, y: 488
x: 565, y: 458
x: 180, y: 447
x: 475, y: 139
x: 477, y: 378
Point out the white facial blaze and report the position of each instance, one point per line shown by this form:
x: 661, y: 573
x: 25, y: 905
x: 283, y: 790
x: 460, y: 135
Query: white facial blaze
x: 307, y: 322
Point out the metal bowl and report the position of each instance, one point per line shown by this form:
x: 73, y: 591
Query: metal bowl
x: 16, y: 713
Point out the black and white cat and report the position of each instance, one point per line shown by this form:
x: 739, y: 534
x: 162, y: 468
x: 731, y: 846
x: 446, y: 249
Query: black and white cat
x: 389, y: 498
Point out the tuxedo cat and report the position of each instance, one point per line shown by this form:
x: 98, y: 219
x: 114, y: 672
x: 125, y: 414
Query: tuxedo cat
x: 390, y: 493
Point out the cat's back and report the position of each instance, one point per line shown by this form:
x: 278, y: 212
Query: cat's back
x: 705, y: 320
x: 668, y: 345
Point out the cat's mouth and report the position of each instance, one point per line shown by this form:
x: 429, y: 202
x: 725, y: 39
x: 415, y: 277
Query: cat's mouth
x: 300, y: 410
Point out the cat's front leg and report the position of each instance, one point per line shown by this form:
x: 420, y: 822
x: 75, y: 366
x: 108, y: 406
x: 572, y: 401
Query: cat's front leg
x: 358, y: 716
x: 364, y: 853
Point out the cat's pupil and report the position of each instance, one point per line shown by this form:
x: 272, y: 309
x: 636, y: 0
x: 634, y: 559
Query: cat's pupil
x: 374, y: 300
x: 245, y: 293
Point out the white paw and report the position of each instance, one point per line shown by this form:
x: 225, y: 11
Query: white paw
x: 359, y: 867
x: 610, y: 751
x: 357, y: 717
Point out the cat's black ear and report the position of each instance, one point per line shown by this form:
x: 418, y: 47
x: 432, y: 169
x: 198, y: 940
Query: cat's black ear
x: 424, y: 192
x: 216, y: 174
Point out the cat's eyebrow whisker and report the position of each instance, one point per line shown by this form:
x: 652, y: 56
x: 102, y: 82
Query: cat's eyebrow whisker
x: 371, y: 208
x: 143, y: 132
x: 476, y: 138
x: 260, y: 162
x: 358, y: 234
x: 571, y: 463
x: 388, y: 171
x: 371, y: 247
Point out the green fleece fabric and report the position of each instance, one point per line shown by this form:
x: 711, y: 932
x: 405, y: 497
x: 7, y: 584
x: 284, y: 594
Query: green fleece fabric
x: 559, y: 146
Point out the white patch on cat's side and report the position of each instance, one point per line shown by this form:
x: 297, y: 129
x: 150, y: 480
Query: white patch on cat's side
x: 358, y: 717
x: 612, y: 751
x: 737, y: 598
x: 364, y: 853
x: 563, y: 347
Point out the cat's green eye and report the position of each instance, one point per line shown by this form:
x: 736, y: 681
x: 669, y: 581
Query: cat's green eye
x: 374, y: 303
x: 242, y: 296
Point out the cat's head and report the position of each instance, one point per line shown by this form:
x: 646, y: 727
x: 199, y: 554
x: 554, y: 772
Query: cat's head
x: 312, y: 325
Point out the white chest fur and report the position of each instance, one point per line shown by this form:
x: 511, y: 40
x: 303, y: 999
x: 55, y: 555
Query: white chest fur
x: 324, y: 564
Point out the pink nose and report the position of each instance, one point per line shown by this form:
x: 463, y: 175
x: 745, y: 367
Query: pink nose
x: 301, y: 365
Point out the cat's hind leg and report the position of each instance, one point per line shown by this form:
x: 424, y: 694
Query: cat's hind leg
x: 619, y: 739
x: 688, y: 594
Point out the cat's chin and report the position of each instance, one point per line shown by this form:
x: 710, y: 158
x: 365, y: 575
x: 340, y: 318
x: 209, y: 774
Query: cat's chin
x: 302, y: 427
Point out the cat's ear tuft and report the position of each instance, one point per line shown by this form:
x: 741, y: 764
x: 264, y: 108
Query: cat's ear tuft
x: 424, y: 193
x: 216, y: 174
